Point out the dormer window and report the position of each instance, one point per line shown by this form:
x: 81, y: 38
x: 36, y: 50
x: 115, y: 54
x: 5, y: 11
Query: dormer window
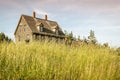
x: 56, y: 31
x: 40, y: 27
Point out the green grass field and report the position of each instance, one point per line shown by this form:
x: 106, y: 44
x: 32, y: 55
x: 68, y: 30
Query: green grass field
x: 51, y: 61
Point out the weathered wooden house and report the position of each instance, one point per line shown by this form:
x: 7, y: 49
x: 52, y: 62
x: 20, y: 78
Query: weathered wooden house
x: 31, y: 28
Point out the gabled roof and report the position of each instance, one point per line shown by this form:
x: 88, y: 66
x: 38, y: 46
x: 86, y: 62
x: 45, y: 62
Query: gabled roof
x: 48, y: 25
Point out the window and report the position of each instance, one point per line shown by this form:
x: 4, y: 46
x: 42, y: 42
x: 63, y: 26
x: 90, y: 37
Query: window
x: 56, y: 31
x: 41, y: 29
x: 41, y: 25
x: 27, y: 38
x: 42, y: 37
x: 34, y: 36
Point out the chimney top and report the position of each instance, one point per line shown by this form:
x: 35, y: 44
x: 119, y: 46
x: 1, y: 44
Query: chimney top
x: 46, y: 17
x: 34, y: 14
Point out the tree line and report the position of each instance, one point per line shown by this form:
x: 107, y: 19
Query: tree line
x: 70, y: 39
x: 3, y: 37
x: 91, y: 39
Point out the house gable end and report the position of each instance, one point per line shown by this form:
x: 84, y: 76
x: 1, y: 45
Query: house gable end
x: 22, y: 21
x: 22, y: 30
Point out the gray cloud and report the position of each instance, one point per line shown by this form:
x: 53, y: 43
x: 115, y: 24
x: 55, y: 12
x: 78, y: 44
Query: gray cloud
x: 80, y: 6
x: 103, y: 8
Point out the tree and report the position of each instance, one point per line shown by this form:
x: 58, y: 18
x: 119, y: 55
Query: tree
x: 74, y: 38
x: 118, y: 51
x: 71, y: 35
x: 85, y: 40
x: 3, y: 37
x: 79, y: 38
x: 65, y: 32
x: 69, y: 38
x: 92, y: 37
x: 106, y: 45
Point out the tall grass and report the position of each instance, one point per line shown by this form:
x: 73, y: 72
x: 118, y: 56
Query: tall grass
x: 51, y: 61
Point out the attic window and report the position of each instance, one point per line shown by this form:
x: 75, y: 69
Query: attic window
x: 56, y: 31
x: 40, y: 27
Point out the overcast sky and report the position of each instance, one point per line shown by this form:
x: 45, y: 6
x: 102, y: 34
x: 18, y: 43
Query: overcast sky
x: 78, y: 16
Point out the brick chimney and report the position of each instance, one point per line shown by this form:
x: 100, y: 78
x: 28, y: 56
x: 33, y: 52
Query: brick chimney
x: 34, y: 15
x: 46, y: 17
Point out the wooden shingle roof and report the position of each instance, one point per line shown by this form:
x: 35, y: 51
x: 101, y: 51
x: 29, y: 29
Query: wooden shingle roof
x: 48, y: 25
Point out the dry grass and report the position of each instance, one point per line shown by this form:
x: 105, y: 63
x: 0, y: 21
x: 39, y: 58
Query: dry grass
x: 51, y: 61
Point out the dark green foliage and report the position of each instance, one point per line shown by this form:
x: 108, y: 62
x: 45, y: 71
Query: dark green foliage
x: 69, y: 38
x: 65, y: 32
x: 85, y: 40
x: 79, y: 38
x: 92, y: 37
x: 3, y: 37
x: 106, y: 45
x: 118, y: 51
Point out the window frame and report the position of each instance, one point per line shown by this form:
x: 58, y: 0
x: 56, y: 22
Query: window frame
x: 41, y: 28
x: 56, y: 31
